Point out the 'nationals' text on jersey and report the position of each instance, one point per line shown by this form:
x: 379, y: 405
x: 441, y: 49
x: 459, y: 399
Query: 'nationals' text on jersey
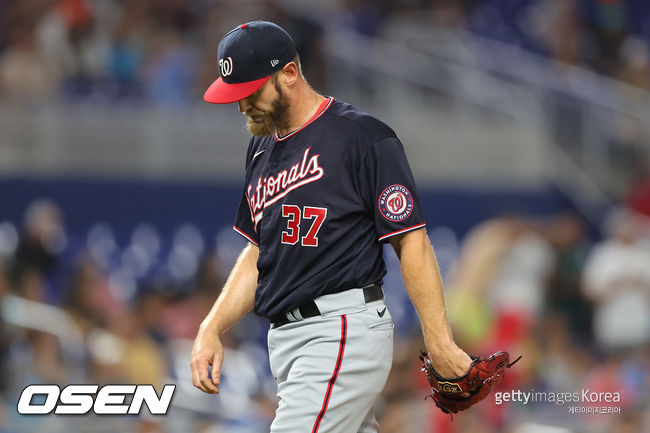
x: 319, y: 201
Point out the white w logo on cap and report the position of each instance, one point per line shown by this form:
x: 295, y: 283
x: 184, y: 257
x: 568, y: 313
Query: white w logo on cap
x: 226, y: 66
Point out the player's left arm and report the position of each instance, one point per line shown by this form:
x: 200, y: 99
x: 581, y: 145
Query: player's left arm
x: 424, y: 286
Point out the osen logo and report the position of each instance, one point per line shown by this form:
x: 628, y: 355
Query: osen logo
x: 81, y: 399
x: 226, y: 66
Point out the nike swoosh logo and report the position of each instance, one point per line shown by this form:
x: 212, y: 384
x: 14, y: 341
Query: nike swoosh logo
x: 381, y: 313
x: 258, y: 153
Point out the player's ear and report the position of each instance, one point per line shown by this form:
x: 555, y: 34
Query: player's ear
x: 290, y: 73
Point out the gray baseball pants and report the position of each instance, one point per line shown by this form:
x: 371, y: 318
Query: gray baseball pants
x: 331, y: 368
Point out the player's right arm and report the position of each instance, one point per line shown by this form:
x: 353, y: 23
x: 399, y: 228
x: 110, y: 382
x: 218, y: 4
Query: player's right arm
x: 236, y: 299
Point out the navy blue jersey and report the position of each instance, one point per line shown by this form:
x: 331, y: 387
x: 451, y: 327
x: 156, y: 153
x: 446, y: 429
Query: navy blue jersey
x: 320, y: 201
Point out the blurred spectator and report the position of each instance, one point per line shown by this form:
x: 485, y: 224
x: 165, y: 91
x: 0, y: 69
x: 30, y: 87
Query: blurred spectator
x: 635, y: 58
x: 42, y: 239
x: 562, y: 366
x: 30, y: 284
x: 521, y: 282
x: 610, y: 25
x: 46, y: 357
x: 149, y: 310
x: 182, y: 319
x: 627, y: 149
x: 567, y: 234
x: 475, y: 267
x: 123, y: 352
x: 638, y: 197
x: 170, y: 74
x: 25, y: 75
x: 67, y: 38
x: 617, y: 278
x: 88, y: 300
x: 500, y: 277
x: 36, y: 261
x: 143, y: 358
x: 557, y: 24
x: 170, y: 70
x: 126, y: 55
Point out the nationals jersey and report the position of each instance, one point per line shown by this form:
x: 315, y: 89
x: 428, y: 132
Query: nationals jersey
x: 320, y: 201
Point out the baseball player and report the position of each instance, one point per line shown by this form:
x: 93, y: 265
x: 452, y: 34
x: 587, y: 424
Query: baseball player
x: 326, y: 185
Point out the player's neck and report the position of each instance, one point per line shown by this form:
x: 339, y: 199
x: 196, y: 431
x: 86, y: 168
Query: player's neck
x: 302, y: 110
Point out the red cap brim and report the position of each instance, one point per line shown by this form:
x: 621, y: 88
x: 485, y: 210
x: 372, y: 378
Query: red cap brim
x: 221, y: 92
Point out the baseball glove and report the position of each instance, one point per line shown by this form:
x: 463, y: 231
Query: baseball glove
x: 483, y: 375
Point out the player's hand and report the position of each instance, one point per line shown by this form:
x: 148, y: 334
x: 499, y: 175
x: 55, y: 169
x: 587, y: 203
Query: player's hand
x: 451, y: 361
x: 207, y: 351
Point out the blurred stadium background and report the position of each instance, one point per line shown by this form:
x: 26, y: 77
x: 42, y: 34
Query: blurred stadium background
x: 526, y: 123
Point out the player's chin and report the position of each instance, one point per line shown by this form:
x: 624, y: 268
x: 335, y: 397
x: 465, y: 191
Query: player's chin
x: 259, y: 128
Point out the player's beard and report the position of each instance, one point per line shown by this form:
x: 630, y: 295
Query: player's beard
x: 261, y: 123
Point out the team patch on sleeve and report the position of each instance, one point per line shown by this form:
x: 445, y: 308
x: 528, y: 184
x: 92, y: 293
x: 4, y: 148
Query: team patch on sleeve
x: 395, y: 203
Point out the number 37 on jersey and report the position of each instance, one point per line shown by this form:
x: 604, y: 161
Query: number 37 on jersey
x: 295, y: 216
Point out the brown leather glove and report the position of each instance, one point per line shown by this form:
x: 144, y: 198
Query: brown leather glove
x: 482, y: 375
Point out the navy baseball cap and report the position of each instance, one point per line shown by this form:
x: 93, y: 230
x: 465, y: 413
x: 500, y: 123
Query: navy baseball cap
x: 247, y: 56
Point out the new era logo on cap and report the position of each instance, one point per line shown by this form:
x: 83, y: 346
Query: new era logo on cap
x: 247, y: 56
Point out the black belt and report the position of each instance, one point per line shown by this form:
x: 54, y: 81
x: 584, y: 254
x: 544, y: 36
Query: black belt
x: 310, y: 309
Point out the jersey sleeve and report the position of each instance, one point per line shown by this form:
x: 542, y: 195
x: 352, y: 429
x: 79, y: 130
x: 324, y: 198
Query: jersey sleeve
x: 386, y: 177
x: 244, y: 222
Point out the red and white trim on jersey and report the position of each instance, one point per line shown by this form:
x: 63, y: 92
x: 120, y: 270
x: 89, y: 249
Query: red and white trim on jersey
x: 399, y: 232
x: 335, y: 374
x: 323, y: 107
x: 241, y: 232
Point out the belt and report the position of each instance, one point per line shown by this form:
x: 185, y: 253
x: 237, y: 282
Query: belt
x: 310, y: 309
